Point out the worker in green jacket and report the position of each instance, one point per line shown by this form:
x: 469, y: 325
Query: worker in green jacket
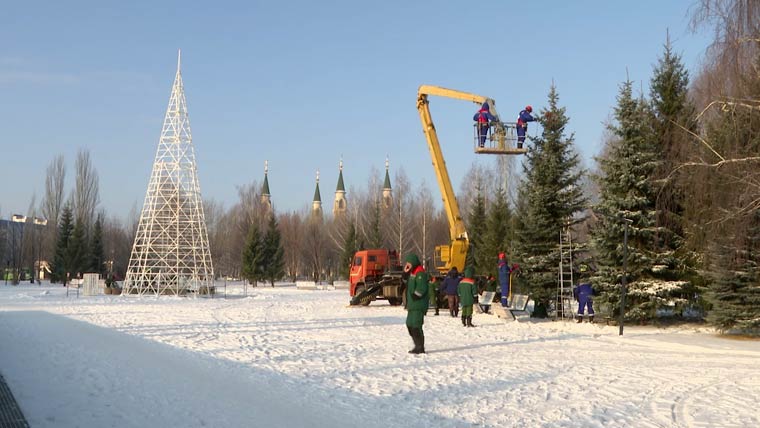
x: 417, y: 301
x: 468, y: 294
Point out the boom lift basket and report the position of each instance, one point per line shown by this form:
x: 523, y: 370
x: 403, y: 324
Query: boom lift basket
x: 496, y: 144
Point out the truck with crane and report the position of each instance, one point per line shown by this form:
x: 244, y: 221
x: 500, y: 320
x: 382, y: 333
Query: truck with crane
x: 382, y: 277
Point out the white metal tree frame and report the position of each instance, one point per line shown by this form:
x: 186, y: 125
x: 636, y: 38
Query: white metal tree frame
x: 171, y: 253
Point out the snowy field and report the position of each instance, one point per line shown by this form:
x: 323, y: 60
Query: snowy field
x: 284, y: 357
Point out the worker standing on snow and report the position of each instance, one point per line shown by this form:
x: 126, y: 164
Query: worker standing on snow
x: 504, y: 271
x: 522, y: 125
x: 468, y: 294
x: 483, y: 118
x: 417, y: 301
x: 584, y: 293
x: 433, y: 291
x: 450, y: 284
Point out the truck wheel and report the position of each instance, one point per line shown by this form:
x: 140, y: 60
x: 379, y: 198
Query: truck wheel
x: 395, y: 301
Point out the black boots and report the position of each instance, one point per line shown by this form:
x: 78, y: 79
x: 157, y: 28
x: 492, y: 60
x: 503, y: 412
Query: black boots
x: 419, y: 340
x: 591, y: 319
x: 579, y: 320
x: 469, y: 321
x: 464, y: 321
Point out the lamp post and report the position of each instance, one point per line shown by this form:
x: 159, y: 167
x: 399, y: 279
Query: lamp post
x: 18, y: 218
x: 38, y: 223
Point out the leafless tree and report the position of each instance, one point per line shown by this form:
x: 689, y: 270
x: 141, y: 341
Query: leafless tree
x: 292, y: 228
x: 86, y: 191
x: 52, y: 202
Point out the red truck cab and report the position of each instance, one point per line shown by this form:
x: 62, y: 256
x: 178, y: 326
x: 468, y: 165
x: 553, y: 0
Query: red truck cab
x: 369, y: 266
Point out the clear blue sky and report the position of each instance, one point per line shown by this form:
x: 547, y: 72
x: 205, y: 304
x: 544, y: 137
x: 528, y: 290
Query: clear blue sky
x: 301, y: 83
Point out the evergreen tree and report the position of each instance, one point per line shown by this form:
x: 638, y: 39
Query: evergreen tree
x: 671, y: 111
x: 476, y: 230
x: 77, y: 251
x: 497, y: 233
x: 628, y: 193
x: 60, y: 260
x: 729, y: 211
x: 273, y: 261
x: 551, y: 195
x: 252, y: 255
x: 375, y: 237
x: 349, y: 249
x: 97, y: 258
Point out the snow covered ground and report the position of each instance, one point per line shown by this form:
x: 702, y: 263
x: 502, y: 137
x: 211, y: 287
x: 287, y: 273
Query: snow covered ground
x: 284, y: 357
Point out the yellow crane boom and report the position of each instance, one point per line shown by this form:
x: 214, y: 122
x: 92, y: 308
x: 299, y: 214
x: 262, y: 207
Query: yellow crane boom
x: 455, y: 254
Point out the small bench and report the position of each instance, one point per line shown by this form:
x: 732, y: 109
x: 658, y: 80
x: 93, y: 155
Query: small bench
x: 518, y: 305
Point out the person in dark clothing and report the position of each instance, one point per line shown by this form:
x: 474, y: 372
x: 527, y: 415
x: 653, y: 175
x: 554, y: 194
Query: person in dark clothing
x: 504, y: 272
x: 417, y: 301
x: 584, y: 293
x: 450, y: 284
x: 483, y: 118
x: 433, y: 290
x: 522, y: 125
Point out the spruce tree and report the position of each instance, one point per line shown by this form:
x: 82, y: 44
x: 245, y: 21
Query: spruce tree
x: 252, y: 255
x: 60, y: 260
x: 730, y: 212
x: 628, y: 194
x: 97, y: 258
x: 551, y: 195
x: 476, y: 230
x: 349, y: 249
x: 77, y: 251
x: 273, y: 261
x: 497, y: 232
x: 672, y: 112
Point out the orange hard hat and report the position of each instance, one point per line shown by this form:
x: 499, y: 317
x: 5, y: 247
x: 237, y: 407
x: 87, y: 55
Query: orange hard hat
x: 502, y: 255
x: 529, y: 108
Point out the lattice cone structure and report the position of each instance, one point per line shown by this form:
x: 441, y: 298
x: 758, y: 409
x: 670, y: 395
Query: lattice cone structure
x: 171, y: 254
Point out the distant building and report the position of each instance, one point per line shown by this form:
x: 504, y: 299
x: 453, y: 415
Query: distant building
x: 316, y: 204
x: 266, y: 197
x: 341, y: 204
x: 387, y: 191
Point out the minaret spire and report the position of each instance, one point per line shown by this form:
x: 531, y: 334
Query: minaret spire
x: 387, y: 191
x: 340, y: 205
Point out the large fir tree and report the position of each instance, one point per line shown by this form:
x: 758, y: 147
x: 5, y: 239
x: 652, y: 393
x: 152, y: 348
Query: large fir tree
x: 252, y: 255
x: 97, y: 258
x: 272, y: 253
x: 730, y: 211
x: 551, y: 195
x: 78, y: 250
x: 476, y: 230
x: 60, y: 260
x: 628, y: 196
x: 498, y: 231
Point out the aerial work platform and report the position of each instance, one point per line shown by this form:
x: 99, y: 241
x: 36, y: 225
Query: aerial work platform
x: 500, y: 140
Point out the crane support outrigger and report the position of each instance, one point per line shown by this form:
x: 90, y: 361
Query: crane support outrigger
x: 455, y: 254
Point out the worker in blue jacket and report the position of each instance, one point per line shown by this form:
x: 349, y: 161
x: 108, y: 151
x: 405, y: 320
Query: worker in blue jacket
x: 504, y: 272
x: 584, y: 293
x: 483, y: 118
x: 522, y: 125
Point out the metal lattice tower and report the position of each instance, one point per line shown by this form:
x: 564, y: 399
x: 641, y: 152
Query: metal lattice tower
x: 171, y: 254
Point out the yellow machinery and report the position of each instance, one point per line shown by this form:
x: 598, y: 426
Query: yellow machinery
x: 454, y: 254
